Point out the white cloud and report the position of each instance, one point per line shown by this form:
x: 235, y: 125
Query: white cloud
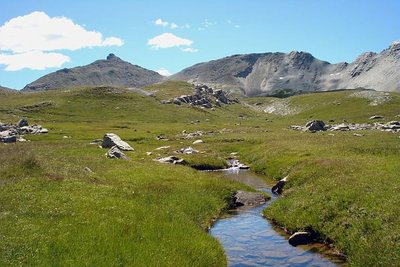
x: 167, y: 40
x: 161, y: 22
x: 206, y: 24
x: 32, y: 35
x: 237, y: 26
x: 39, y: 32
x: 36, y: 60
x: 171, y: 25
x: 113, y: 41
x: 190, y: 49
x: 164, y: 72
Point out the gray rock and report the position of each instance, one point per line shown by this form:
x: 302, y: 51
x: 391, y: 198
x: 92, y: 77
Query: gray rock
x: 315, y: 125
x: 88, y: 170
x: 278, y: 187
x: 8, y: 139
x: 244, y: 198
x: 376, y: 117
x: 23, y: 122
x: 300, y: 238
x: 115, y: 153
x: 188, y: 150
x: 171, y: 160
x: 111, y: 139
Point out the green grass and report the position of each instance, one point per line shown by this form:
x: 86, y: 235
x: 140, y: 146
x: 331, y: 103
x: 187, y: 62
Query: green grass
x: 142, y: 213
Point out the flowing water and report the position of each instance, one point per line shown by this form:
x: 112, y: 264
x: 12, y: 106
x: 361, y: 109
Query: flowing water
x: 250, y: 240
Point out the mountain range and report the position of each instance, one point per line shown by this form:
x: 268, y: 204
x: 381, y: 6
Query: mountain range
x: 271, y: 73
x: 252, y: 74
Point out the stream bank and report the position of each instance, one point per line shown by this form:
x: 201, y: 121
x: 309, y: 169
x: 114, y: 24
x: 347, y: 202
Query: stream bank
x: 251, y: 240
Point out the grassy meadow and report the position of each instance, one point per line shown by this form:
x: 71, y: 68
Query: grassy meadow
x: 142, y: 213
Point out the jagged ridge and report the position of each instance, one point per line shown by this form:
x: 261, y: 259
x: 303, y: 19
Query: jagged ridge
x: 272, y: 73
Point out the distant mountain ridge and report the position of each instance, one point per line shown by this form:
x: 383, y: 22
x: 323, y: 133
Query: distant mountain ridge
x: 272, y: 73
x: 6, y: 90
x: 112, y: 71
x: 252, y: 74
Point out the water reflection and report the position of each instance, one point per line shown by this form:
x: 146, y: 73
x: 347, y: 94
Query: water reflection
x: 250, y: 240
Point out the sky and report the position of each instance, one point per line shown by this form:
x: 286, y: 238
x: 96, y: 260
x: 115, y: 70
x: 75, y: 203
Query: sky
x: 38, y: 37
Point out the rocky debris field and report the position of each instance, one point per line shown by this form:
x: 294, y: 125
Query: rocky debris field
x: 318, y: 125
x: 204, y: 97
x: 11, y: 133
x: 375, y: 98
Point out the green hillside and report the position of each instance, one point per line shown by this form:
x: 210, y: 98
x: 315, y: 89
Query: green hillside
x: 143, y: 213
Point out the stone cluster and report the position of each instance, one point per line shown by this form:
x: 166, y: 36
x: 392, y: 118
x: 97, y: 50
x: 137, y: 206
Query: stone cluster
x: 316, y: 125
x: 10, y: 133
x: 204, y: 97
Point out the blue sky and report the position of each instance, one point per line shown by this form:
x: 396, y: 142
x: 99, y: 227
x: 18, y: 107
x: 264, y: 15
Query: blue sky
x: 172, y: 35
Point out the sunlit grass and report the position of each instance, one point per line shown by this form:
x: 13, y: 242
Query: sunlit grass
x: 142, y: 213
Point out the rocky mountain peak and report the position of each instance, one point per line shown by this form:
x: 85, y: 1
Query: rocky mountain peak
x: 111, y: 71
x: 394, y: 48
x: 113, y: 57
x: 300, y: 59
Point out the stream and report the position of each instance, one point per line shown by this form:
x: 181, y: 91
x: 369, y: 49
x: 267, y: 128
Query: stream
x: 250, y: 240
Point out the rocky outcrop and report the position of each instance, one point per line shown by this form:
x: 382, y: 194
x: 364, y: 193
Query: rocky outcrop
x: 244, y: 198
x: 111, y: 72
x: 111, y: 139
x: 204, y: 96
x: 10, y: 133
x: 295, y: 72
x: 115, y: 153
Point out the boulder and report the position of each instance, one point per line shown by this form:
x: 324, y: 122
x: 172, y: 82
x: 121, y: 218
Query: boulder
x: 171, y: 160
x: 188, y: 150
x: 22, y: 122
x: 278, y: 187
x: 315, y: 125
x: 300, y: 238
x: 198, y: 142
x: 8, y: 139
x: 115, y: 153
x: 244, y: 198
x: 220, y: 95
x: 111, y: 139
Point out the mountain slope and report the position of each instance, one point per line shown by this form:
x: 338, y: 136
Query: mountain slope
x: 6, y: 90
x: 112, y: 71
x: 270, y: 73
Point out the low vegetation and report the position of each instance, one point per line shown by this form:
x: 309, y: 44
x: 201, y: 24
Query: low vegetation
x: 143, y: 213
